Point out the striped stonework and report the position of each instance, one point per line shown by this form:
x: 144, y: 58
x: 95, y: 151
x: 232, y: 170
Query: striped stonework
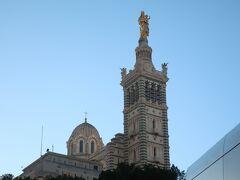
x: 145, y: 111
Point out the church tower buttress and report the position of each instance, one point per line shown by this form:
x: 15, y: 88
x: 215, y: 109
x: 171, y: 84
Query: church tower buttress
x: 145, y: 108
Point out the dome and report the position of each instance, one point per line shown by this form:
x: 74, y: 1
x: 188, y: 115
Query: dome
x: 85, y: 129
x: 84, y: 141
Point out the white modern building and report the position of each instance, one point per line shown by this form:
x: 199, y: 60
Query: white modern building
x: 221, y: 162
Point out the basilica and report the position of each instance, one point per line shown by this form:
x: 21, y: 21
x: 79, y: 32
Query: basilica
x: 145, y: 138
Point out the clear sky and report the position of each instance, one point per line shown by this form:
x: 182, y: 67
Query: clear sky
x: 59, y: 59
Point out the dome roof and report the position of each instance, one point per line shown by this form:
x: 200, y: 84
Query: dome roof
x: 85, y: 129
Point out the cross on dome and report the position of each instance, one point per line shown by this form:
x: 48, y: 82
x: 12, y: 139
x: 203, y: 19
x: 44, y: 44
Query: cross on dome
x: 85, y: 117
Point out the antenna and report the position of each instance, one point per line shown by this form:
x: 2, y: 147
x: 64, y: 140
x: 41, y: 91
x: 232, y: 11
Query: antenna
x: 41, y: 141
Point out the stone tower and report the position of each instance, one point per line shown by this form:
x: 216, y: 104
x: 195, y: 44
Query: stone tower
x: 145, y: 108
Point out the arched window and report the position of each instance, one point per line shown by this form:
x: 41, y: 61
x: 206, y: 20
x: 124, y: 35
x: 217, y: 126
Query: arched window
x: 153, y: 124
x: 134, y: 155
x: 158, y: 94
x: 147, y: 91
x: 81, y: 146
x: 154, y: 152
x: 152, y: 93
x: 137, y: 92
x: 92, y: 147
x: 128, y: 98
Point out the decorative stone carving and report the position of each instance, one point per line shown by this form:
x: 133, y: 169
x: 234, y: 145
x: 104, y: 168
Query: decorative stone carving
x: 123, y: 72
x: 164, y: 68
x: 143, y: 22
x: 164, y: 71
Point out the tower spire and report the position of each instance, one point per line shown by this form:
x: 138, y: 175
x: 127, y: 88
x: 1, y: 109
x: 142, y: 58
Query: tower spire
x: 144, y: 90
x: 143, y: 51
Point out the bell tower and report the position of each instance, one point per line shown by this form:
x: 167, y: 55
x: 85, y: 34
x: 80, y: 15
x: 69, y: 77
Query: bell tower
x: 145, y: 108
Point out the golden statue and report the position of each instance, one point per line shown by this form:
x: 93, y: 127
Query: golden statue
x: 143, y: 22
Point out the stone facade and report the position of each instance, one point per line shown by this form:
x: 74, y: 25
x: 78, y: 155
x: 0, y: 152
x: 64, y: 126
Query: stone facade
x: 54, y: 164
x: 145, y: 136
x: 145, y: 110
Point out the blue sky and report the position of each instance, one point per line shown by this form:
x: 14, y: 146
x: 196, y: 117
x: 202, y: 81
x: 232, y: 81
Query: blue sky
x: 59, y: 59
